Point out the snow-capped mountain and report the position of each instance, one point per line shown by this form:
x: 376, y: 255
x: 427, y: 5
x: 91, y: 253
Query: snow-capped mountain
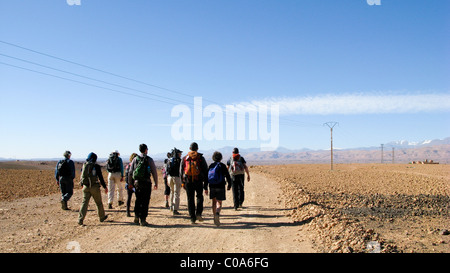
x: 423, y: 143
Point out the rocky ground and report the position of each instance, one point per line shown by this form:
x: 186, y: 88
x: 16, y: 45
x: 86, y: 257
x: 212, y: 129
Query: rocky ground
x: 36, y: 223
x: 369, y: 207
x: 289, y: 208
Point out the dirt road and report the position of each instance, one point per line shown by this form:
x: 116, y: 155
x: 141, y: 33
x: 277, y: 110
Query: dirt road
x: 37, y: 224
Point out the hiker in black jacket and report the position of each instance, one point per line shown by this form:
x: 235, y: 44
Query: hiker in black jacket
x: 140, y: 170
x: 65, y: 174
x: 237, y: 168
x: 194, y: 178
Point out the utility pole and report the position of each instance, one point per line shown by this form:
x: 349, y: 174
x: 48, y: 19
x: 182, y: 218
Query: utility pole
x: 382, y: 153
x: 393, y: 155
x: 331, y: 124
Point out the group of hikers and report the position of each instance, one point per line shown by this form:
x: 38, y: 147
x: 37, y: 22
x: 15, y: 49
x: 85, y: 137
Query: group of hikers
x: 190, y: 172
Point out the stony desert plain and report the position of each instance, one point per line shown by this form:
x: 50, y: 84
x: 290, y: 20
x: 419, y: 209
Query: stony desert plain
x: 289, y: 208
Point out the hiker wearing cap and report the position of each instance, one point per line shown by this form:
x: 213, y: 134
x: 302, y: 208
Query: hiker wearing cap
x: 218, y: 176
x: 237, y: 168
x: 91, y: 179
x: 174, y: 180
x: 65, y: 174
x: 194, y: 172
x: 130, y: 189
x: 141, y: 168
x: 114, y: 166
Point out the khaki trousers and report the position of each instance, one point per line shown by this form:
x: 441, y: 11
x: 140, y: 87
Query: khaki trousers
x: 175, y: 189
x: 113, y: 181
x: 95, y: 193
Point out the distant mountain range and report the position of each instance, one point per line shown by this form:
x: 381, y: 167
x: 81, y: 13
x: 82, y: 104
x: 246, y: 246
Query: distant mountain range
x: 404, y: 152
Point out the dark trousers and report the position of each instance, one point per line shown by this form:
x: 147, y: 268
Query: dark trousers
x: 238, y: 190
x: 143, y: 193
x: 130, y: 195
x: 66, y: 187
x: 193, y: 188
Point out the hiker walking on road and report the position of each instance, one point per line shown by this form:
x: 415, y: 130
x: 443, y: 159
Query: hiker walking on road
x: 194, y: 171
x: 217, y: 173
x: 91, y: 178
x: 130, y: 189
x: 165, y: 179
x: 139, y: 176
x: 174, y: 180
x: 237, y: 168
x: 114, y: 166
x: 65, y: 174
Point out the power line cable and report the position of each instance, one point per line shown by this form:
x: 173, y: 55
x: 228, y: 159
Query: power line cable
x: 108, y: 89
x: 96, y: 69
x: 90, y: 78
x: 88, y: 84
x: 297, y: 123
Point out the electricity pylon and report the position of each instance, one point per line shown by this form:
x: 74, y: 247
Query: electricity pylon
x: 331, y: 124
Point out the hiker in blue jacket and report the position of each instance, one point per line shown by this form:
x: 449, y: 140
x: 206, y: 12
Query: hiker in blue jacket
x: 65, y: 174
x: 217, y: 173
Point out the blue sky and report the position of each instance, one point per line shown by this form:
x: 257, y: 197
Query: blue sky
x: 380, y: 71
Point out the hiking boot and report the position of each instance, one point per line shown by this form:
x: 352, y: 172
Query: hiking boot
x: 110, y: 206
x: 175, y: 212
x: 64, y: 205
x: 136, y: 220
x: 199, y: 218
x: 104, y: 218
x: 80, y: 222
x: 167, y: 204
x: 216, y: 219
x: 192, y: 220
x: 144, y: 223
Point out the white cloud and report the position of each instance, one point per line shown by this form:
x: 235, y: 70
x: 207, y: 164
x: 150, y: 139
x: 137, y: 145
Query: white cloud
x: 359, y: 104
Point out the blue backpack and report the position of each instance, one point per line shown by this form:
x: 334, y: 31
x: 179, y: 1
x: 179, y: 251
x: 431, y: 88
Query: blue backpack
x: 215, y: 175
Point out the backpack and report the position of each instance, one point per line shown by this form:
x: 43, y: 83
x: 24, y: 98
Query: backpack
x: 141, y: 171
x: 64, y: 168
x: 192, y: 168
x: 236, y: 167
x: 89, y: 174
x: 113, y: 163
x: 215, y: 175
x: 173, y: 166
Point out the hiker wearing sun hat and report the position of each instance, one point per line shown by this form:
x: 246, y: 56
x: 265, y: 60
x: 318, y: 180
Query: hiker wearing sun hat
x: 114, y: 166
x: 65, y: 174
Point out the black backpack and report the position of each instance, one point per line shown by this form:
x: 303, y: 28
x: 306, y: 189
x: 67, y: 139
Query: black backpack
x: 113, y: 163
x: 64, y: 168
x: 173, y: 166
